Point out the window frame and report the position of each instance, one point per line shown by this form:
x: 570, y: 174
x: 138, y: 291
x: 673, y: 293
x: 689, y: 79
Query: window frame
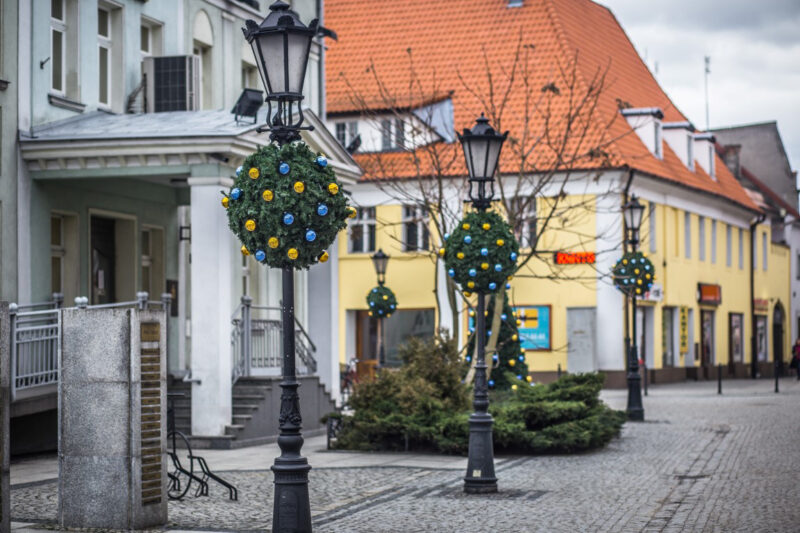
x: 366, y: 221
x: 415, y: 216
x: 652, y: 227
x: 690, y: 151
x: 149, y: 30
x: 687, y: 234
x: 387, y: 126
x: 741, y: 249
x: 713, y: 241
x: 764, y: 254
x: 701, y: 238
x: 60, y: 26
x: 105, y: 42
x: 57, y: 251
x: 527, y: 223
x: 728, y: 245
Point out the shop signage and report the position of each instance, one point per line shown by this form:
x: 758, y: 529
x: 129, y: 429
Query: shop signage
x: 655, y: 294
x: 709, y: 294
x: 534, y: 331
x: 575, y: 258
x: 684, y: 329
x: 760, y: 305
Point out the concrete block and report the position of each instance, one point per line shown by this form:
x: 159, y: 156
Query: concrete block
x: 91, y: 420
x: 5, y: 409
x: 97, y: 332
x: 98, y: 489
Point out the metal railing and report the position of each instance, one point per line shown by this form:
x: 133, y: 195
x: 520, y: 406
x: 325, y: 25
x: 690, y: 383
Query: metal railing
x: 256, y: 343
x: 36, y: 338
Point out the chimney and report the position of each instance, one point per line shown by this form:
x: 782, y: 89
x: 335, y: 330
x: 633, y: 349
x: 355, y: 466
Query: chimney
x: 730, y: 154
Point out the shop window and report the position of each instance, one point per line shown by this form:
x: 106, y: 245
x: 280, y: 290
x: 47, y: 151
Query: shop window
x: 416, y: 236
x: 736, y: 337
x: 362, y: 231
x: 701, y: 238
x: 668, y: 336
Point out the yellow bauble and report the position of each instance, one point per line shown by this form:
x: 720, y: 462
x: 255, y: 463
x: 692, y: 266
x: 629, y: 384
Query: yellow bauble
x: 624, y: 261
x: 244, y: 250
x: 528, y: 379
x: 323, y: 257
x: 465, y: 225
x: 484, y: 266
x: 250, y: 225
x: 638, y: 290
x: 267, y: 195
x: 273, y: 242
x: 385, y: 297
x: 519, y: 322
x: 486, y: 313
x: 292, y: 253
x: 522, y: 351
x: 471, y: 284
x: 370, y: 313
x: 500, y: 242
x: 487, y: 226
x: 509, y: 278
x: 299, y: 187
x: 441, y: 252
x: 636, y: 271
x: 511, y: 362
x: 638, y: 282
x: 647, y: 276
x: 514, y: 337
x: 514, y: 387
x: 467, y: 294
x: 225, y: 202
x: 388, y: 315
x: 460, y: 255
x: 351, y: 212
x: 253, y: 172
x: 333, y: 188
x: 471, y: 313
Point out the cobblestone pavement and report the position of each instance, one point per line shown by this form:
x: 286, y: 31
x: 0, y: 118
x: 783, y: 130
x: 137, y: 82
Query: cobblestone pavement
x: 701, y: 462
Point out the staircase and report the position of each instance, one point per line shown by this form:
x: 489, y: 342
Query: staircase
x: 256, y: 403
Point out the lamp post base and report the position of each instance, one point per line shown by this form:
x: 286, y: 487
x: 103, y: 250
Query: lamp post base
x: 635, y: 409
x: 480, y: 478
x: 291, y: 512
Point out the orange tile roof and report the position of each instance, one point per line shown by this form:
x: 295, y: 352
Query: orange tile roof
x: 444, y: 43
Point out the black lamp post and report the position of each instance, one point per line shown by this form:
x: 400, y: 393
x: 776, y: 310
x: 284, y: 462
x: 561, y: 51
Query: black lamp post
x: 380, y: 261
x: 482, y: 147
x: 281, y: 44
x: 633, y: 212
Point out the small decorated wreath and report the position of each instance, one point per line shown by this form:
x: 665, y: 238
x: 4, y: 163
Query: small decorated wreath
x: 286, y: 206
x: 481, y: 253
x: 634, y: 274
x: 381, y: 301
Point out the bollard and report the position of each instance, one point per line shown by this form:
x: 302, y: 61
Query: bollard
x: 776, y: 376
x: 558, y: 373
x: 719, y: 378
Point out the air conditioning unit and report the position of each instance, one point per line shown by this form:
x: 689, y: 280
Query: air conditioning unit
x: 172, y: 83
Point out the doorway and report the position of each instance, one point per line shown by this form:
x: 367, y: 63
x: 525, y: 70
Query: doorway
x: 103, y: 260
x: 112, y: 249
x: 777, y: 336
x: 707, y: 359
x: 581, y: 329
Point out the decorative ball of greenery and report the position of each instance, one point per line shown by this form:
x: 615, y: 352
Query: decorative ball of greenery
x: 481, y: 253
x: 381, y: 302
x: 286, y: 206
x: 634, y: 274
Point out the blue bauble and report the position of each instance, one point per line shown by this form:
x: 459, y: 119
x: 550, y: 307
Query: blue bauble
x: 321, y: 161
x: 446, y: 236
x: 503, y: 316
x: 489, y: 333
x: 322, y: 210
x: 375, y: 290
x: 236, y: 192
x: 451, y: 273
x: 372, y: 304
x: 491, y: 383
x: 284, y: 168
x: 311, y: 235
x: 522, y: 358
x: 239, y: 170
x: 288, y: 219
x: 513, y: 256
x: 498, y: 267
x: 508, y: 285
x: 473, y: 272
x: 468, y: 358
x: 467, y: 239
x: 380, y: 311
x: 260, y: 255
x: 492, y: 286
x: 495, y: 357
x: 472, y: 330
x: 392, y: 307
x: 519, y: 377
x: 484, y: 251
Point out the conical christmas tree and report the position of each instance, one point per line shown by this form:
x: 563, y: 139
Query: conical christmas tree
x: 509, y: 367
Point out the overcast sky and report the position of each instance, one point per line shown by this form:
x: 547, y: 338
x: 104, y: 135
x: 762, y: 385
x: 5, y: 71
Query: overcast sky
x: 754, y: 47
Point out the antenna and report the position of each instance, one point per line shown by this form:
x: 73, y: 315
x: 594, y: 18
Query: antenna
x: 707, y: 72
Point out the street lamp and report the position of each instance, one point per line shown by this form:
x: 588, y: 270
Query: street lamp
x: 281, y: 44
x: 482, y: 147
x: 380, y: 260
x: 633, y: 212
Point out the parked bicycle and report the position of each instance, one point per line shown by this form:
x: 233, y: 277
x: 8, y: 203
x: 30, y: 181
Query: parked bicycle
x: 349, y: 380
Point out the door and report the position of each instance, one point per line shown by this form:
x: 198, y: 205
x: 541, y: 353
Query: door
x: 761, y: 337
x: 777, y: 336
x: 581, y: 355
x: 103, y: 260
x: 707, y: 359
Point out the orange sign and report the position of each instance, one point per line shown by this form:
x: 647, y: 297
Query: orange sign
x: 574, y: 258
x: 760, y: 305
x: 709, y: 294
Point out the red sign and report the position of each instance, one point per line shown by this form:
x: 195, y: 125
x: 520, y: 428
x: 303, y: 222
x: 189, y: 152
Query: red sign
x: 574, y: 258
x: 760, y: 305
x: 709, y: 294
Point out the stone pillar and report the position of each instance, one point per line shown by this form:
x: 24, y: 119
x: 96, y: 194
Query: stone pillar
x: 5, y: 408
x: 323, y: 318
x: 112, y: 419
x: 212, y: 272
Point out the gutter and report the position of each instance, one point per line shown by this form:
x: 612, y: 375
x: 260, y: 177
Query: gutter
x: 754, y: 356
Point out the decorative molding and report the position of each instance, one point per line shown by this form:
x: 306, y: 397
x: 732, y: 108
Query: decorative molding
x: 65, y: 103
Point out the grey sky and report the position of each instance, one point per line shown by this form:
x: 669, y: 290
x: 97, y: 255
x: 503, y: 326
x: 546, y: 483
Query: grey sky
x: 755, y: 58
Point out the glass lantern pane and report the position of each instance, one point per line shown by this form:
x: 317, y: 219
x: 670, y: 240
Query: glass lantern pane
x: 494, y: 155
x: 478, y: 150
x: 271, y: 56
x: 298, y: 48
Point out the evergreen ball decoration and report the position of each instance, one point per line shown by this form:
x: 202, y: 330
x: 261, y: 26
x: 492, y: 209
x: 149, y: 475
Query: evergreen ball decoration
x: 286, y: 207
x: 481, y: 252
x: 381, y: 301
x: 634, y: 274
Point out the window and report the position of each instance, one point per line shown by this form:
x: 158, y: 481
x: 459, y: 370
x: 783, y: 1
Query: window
x: 341, y: 133
x: 668, y: 336
x: 657, y: 151
x: 386, y: 134
x: 249, y: 76
x: 701, y: 238
x: 728, y: 244
x: 713, y: 241
x: 152, y: 261
x: 711, y: 169
x: 362, y: 231
x: 346, y: 131
x: 687, y: 234
x: 147, y: 262
x: 57, y: 253
x: 146, y: 45
x: 736, y: 334
x: 58, y: 30
x: 741, y: 249
x: 764, y: 251
x: 651, y: 222
x: 149, y: 37
x: 690, y: 151
x: 400, y: 133
x: 416, y: 236
x: 104, y: 56
x: 525, y: 224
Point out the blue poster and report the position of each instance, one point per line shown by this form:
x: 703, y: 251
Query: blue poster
x: 534, y: 332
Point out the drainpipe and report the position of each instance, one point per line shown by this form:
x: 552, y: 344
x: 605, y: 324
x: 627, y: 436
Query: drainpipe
x: 753, y: 347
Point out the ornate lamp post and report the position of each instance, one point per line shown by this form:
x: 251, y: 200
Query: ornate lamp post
x: 281, y: 45
x: 380, y: 261
x: 482, y: 147
x: 633, y: 212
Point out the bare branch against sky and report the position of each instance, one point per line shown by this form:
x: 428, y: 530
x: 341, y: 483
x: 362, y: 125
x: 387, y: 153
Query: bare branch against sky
x: 755, y: 57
